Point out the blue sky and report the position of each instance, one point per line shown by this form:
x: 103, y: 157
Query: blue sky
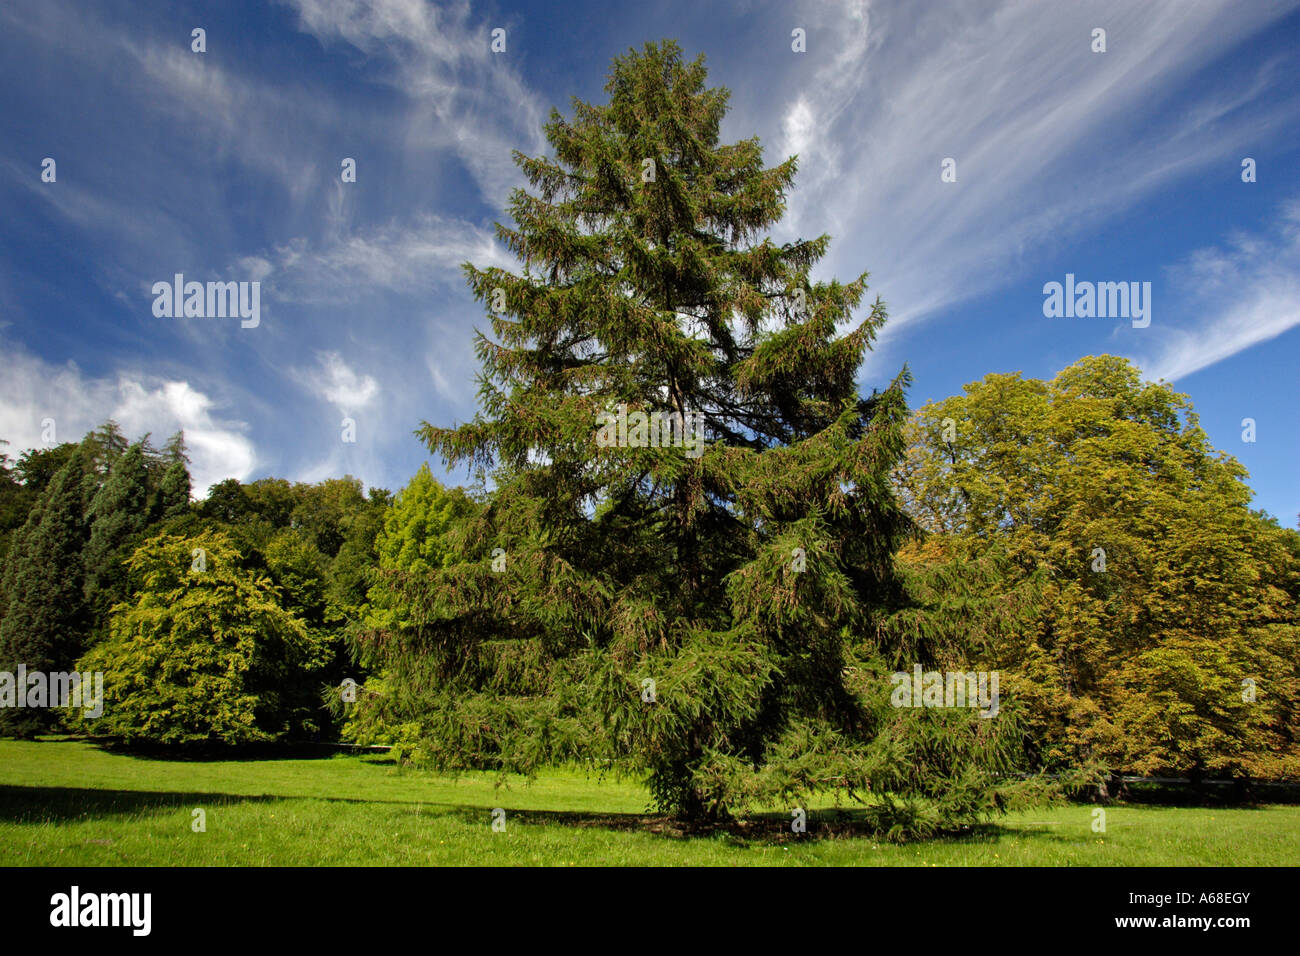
x: 225, y: 165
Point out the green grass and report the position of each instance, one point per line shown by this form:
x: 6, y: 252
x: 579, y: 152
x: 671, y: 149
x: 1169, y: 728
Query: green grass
x: 70, y: 803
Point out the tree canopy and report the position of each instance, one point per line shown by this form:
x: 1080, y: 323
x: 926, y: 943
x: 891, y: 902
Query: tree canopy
x: 200, y: 655
x: 701, y: 609
x: 1167, y: 639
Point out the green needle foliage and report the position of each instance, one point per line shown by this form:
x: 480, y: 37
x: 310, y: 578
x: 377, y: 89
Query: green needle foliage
x: 117, y: 513
x: 748, y: 579
x: 46, y: 618
x: 173, y: 495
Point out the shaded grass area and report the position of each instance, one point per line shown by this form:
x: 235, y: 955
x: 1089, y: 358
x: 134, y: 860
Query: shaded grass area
x: 72, y: 803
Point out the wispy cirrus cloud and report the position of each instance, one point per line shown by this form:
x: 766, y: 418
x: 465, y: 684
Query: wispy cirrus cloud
x: 1050, y: 139
x: 407, y: 256
x: 1235, y: 296
x: 462, y: 97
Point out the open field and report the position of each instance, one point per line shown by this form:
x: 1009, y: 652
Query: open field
x: 70, y: 803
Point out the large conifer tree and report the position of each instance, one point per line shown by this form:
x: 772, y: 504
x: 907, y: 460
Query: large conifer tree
x: 709, y: 616
x: 173, y: 495
x: 46, y: 618
x: 117, y: 513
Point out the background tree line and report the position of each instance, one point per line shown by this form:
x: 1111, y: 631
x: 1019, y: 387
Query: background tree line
x: 215, y: 621
x: 1177, y: 652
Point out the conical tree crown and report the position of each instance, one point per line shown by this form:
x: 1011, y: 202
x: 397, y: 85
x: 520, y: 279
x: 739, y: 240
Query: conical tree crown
x: 692, y: 524
x: 46, y: 618
x: 117, y: 513
x: 173, y: 496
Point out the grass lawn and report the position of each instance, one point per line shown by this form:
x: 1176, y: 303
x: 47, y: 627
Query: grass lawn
x: 69, y: 803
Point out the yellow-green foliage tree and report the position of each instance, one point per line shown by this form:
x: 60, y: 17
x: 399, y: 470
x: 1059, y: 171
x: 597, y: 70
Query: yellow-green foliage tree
x: 202, y: 653
x: 413, y: 541
x: 1167, y: 637
x: 411, y: 544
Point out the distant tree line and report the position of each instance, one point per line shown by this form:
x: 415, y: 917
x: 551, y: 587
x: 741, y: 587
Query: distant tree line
x: 1078, y: 535
x: 216, y: 621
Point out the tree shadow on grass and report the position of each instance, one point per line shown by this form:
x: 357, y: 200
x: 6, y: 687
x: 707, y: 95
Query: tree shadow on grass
x: 1211, y: 798
x: 249, y: 753
x: 38, y: 804
x: 772, y: 828
x: 62, y: 804
x: 574, y: 819
x: 212, y: 753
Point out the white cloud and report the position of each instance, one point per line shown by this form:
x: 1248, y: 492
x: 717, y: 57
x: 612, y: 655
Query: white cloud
x: 399, y: 257
x: 440, y: 380
x: 463, y: 97
x: 32, y: 390
x: 334, y: 381
x: 256, y: 268
x: 1050, y: 139
x: 798, y: 127
x: 1235, y: 297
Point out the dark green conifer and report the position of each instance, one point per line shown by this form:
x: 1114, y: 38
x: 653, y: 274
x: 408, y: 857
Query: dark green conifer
x: 710, y: 615
x: 46, y: 619
x: 117, y: 513
x: 173, y: 496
